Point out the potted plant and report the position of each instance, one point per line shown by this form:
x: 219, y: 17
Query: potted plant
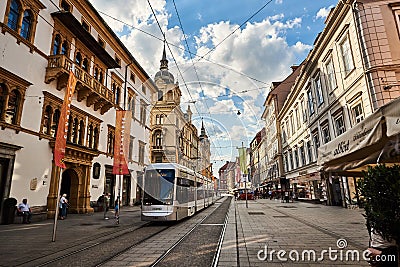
x: 379, y: 190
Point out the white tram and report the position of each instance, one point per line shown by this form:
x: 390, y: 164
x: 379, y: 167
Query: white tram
x: 173, y: 192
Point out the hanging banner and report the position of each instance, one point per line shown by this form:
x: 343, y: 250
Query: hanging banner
x: 62, y: 129
x: 121, y: 143
x: 242, y: 160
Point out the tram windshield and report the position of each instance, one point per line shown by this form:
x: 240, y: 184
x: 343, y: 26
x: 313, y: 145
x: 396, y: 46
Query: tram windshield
x: 159, y: 187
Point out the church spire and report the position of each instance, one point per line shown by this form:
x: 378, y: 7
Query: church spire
x: 203, y: 131
x: 164, y: 61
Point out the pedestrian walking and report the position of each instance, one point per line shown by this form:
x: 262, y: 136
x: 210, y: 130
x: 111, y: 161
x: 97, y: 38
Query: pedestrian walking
x: 63, y: 206
x: 106, y: 204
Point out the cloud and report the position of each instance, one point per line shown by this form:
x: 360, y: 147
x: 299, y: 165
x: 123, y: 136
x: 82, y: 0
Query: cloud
x: 278, y: 2
x: 249, y: 59
x: 323, y: 12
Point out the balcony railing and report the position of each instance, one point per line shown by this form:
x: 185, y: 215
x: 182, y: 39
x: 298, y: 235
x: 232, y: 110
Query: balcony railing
x: 88, y: 87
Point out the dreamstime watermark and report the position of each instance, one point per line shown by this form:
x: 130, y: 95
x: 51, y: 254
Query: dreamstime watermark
x: 330, y: 254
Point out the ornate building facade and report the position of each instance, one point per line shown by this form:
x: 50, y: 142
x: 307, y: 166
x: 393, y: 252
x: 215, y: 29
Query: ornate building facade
x: 173, y: 136
x: 41, y: 43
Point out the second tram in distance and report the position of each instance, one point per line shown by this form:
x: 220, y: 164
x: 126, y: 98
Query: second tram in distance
x: 173, y: 192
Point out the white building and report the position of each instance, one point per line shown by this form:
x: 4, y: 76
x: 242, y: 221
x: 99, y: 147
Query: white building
x: 40, y: 42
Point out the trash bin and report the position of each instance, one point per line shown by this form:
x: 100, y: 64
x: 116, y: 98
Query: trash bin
x: 9, y: 207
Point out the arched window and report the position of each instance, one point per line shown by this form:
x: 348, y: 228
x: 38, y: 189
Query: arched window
x: 75, y: 127
x: 96, y: 73
x: 161, y: 118
x: 95, y: 138
x: 90, y: 136
x: 13, y: 15
x: 12, y: 107
x: 56, y: 44
x: 78, y: 59
x: 101, y: 77
x: 117, y: 96
x: 64, y: 48
x: 47, y: 120
x: 81, y: 132
x: 85, y: 64
x: 26, y: 26
x: 157, y: 139
x: 54, y: 123
x: 2, y: 99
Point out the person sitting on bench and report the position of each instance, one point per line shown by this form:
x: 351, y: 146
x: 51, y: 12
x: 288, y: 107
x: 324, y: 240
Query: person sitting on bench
x: 25, y: 210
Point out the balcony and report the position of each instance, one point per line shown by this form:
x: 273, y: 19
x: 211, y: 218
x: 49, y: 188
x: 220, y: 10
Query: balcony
x: 87, y: 87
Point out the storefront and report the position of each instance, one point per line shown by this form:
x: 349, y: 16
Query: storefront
x: 307, y: 186
x: 373, y: 141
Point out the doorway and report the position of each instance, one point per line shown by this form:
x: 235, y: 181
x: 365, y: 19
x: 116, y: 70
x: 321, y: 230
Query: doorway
x: 69, y: 186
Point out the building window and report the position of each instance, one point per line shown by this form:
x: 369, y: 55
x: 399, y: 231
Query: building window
x: 78, y: 59
x: 12, y: 107
x: 291, y: 159
x: 142, y: 112
x: 132, y: 106
x: 309, y: 151
x: 13, y: 15
x: 85, y: 65
x: 316, y: 142
x: 143, y: 88
x: 86, y: 26
x: 347, y: 57
x: 318, y: 90
x: 357, y: 112
x: 330, y: 75
x: 64, y: 48
x: 81, y: 132
x: 310, y: 102
x: 141, y: 152
x: 157, y: 139
x: 297, y: 118
x: 54, y: 122
x: 296, y: 157
x: 110, y: 140
x: 287, y: 128
x: 132, y: 77
x: 130, y: 152
x: 302, y: 156
x: 65, y: 6
x: 325, y: 133
x: 339, y: 125
x: 160, y: 119
x: 284, y: 138
x: 118, y: 60
x: 303, y: 110
x: 101, y: 42
x: 47, y: 120
x: 26, y: 26
x: 292, y: 128
x: 56, y: 44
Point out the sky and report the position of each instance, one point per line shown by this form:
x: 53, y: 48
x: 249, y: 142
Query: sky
x: 224, y: 54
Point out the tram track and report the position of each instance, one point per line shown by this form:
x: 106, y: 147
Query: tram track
x: 99, y: 248
x: 201, y: 245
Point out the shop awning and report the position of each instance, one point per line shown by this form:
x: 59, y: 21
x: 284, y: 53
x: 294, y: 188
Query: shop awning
x: 374, y: 140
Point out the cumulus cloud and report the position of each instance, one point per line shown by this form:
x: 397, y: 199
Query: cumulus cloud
x: 323, y: 12
x: 235, y: 67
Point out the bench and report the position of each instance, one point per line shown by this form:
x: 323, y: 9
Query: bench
x: 39, y: 213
